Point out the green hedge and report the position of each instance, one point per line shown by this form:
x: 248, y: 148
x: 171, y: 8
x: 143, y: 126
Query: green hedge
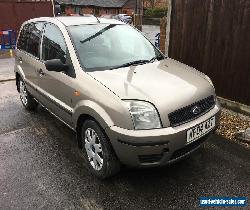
x: 156, y: 12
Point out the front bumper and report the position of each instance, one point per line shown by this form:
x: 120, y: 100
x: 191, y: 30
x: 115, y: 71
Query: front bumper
x: 147, y: 148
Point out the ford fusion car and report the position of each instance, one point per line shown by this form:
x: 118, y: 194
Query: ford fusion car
x: 127, y: 102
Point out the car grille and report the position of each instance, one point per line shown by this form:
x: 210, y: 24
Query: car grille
x: 188, y: 113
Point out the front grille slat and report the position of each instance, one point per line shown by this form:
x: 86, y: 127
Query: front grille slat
x: 186, y: 114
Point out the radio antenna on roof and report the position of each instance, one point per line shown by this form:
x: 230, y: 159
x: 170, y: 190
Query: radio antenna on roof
x: 97, y: 19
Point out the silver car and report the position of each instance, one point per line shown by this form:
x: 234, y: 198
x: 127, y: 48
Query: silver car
x: 124, y: 18
x: 128, y: 103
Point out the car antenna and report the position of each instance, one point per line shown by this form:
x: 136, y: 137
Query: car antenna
x: 97, y: 19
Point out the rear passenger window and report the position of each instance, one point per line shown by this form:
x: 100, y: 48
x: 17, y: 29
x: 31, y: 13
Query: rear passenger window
x: 23, y: 38
x: 54, y: 46
x: 35, y: 35
x: 30, y: 37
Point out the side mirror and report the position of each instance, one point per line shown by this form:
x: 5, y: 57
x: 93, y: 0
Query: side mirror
x: 55, y: 65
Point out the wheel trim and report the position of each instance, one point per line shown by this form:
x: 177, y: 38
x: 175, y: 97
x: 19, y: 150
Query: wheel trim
x: 93, y: 148
x: 23, y: 93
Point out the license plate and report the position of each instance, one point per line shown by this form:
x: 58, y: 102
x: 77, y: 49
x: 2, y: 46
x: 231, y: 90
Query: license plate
x: 200, y: 130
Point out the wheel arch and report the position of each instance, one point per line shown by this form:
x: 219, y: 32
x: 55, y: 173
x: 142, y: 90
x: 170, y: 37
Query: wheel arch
x: 17, y: 79
x: 95, y: 113
x: 87, y: 108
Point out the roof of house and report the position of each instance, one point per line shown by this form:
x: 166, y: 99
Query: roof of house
x: 97, y: 3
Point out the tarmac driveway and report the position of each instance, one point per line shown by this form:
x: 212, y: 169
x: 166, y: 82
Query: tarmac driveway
x: 7, y: 68
x: 42, y: 168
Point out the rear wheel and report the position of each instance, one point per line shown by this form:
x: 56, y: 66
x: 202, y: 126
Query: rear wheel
x: 27, y: 100
x: 98, y: 151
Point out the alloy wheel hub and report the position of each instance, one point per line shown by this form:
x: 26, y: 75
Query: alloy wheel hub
x: 94, y: 149
x: 23, y: 93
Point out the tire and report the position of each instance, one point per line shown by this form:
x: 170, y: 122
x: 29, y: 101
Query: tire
x: 27, y: 100
x: 98, y: 151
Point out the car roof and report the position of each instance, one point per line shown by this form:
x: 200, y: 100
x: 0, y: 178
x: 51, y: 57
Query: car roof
x: 79, y: 20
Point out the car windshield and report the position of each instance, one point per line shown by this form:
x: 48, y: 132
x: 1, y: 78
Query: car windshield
x: 109, y: 46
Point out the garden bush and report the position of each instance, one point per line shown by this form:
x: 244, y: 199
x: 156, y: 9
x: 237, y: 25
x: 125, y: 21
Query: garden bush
x: 156, y: 12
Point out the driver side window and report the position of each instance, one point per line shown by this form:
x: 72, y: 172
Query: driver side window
x: 53, y: 46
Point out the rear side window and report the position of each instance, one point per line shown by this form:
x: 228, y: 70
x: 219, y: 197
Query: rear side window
x: 35, y: 35
x: 53, y: 46
x: 30, y: 38
x: 23, y: 38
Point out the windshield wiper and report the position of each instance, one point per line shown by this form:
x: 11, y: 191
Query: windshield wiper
x: 138, y: 62
x: 98, y: 33
x: 153, y: 59
x: 158, y: 57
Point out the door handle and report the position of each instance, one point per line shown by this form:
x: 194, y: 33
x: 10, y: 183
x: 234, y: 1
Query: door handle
x: 41, y: 72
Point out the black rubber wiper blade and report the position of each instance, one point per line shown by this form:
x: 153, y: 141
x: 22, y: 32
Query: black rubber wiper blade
x: 158, y: 57
x: 138, y: 62
x: 98, y: 33
x: 153, y: 59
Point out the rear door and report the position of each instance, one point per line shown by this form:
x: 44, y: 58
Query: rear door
x: 28, y: 54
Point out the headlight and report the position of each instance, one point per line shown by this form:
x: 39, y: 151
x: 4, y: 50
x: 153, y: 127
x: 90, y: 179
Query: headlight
x: 209, y: 80
x: 144, y: 115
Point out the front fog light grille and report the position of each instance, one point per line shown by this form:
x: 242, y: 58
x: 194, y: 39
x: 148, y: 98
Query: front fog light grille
x: 150, y: 158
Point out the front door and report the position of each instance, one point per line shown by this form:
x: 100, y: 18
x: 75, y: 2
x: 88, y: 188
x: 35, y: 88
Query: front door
x: 56, y: 87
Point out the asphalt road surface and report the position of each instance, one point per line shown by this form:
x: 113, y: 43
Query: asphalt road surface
x: 42, y: 168
x: 6, y: 68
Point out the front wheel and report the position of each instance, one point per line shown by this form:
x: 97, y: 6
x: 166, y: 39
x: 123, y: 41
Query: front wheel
x: 27, y: 100
x: 98, y: 151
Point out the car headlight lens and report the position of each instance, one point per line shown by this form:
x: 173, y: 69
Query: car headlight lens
x: 209, y: 80
x: 144, y: 115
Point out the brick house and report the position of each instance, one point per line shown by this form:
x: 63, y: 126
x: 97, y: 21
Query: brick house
x: 102, y: 7
x: 157, y: 3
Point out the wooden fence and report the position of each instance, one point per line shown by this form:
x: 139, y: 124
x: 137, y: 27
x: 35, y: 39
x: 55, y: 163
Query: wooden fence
x: 214, y: 37
x: 14, y: 12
